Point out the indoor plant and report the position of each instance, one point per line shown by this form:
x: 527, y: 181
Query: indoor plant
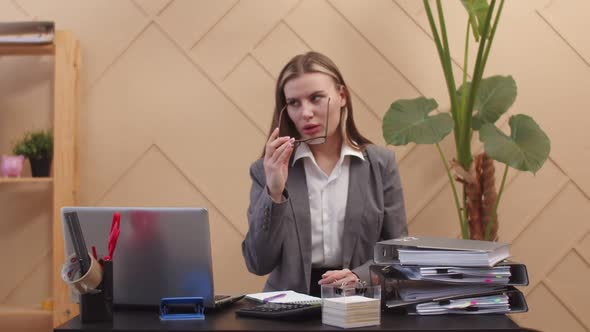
x: 475, y: 107
x: 37, y: 146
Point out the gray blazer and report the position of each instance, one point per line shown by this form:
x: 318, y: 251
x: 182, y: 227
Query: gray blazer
x: 279, y: 235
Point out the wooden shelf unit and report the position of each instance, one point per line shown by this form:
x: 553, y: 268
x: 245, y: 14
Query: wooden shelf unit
x: 65, y: 180
x: 26, y: 180
x: 27, y: 49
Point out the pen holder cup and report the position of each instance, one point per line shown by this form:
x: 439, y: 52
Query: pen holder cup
x: 352, y: 305
x: 98, y: 306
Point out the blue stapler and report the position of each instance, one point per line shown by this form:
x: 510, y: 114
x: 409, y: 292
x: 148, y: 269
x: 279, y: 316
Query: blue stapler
x: 182, y: 308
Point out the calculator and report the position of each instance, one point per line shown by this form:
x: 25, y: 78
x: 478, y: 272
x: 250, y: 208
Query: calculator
x: 282, y: 311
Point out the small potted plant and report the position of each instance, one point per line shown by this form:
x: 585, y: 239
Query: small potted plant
x: 37, y: 146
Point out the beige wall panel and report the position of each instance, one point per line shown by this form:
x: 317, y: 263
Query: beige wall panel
x: 584, y: 248
x: 390, y: 30
x: 9, y: 11
x: 412, y: 8
x: 253, y: 90
x: 189, y: 20
x: 149, y: 83
x: 546, y: 313
x: 165, y: 121
x: 278, y: 47
x: 152, y: 7
x: 35, y: 286
x: 25, y: 242
x: 369, y: 75
x: 570, y: 18
x: 154, y: 180
x: 455, y: 21
x: 559, y: 227
x: 231, y: 39
x: 569, y: 281
x: 439, y: 217
x: 423, y: 175
x: 367, y: 122
x: 104, y: 27
x: 526, y: 197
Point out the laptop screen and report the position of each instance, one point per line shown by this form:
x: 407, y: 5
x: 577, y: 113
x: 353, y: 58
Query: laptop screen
x: 161, y: 252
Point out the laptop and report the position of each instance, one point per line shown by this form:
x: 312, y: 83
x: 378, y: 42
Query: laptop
x: 161, y: 252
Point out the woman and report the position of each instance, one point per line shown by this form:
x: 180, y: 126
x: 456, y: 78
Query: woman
x: 322, y: 194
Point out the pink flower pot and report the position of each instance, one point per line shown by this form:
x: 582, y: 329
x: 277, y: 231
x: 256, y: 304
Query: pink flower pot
x: 11, y: 166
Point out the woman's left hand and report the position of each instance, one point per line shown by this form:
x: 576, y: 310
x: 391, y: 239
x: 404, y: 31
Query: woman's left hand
x: 339, y: 277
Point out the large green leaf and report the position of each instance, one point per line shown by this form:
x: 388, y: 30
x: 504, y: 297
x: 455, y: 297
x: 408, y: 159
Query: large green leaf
x: 477, y: 10
x: 407, y: 121
x: 526, y: 148
x: 495, y: 96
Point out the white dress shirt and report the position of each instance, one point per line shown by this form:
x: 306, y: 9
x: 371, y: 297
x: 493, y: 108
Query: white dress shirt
x: 327, y: 204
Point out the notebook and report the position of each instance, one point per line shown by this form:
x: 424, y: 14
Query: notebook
x: 288, y: 296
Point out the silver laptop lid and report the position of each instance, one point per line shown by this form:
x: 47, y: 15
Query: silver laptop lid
x: 161, y: 252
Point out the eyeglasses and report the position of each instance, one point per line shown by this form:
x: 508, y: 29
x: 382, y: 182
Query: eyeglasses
x: 312, y: 140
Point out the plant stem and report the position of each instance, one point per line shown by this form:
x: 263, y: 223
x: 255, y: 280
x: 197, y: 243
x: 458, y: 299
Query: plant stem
x: 495, y: 213
x: 465, y: 64
x: 442, y: 58
x: 465, y: 229
x: 489, y: 45
x: 465, y: 157
x: 447, y: 52
x: 452, y: 182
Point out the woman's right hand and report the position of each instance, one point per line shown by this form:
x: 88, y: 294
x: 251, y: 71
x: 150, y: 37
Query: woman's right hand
x: 276, y: 163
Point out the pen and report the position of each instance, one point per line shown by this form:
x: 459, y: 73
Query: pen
x: 113, y: 236
x: 274, y: 297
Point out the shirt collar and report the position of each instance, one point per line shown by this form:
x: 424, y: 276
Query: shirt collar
x: 303, y: 151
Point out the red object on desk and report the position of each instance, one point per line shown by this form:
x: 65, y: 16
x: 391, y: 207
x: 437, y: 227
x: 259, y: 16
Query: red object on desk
x: 113, y: 236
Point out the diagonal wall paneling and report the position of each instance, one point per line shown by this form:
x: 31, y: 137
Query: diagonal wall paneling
x: 178, y: 95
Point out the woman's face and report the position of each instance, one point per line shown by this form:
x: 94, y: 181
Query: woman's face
x: 307, y: 103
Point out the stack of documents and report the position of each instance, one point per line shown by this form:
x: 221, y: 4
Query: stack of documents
x: 431, y: 290
x: 500, y: 274
x: 437, y: 251
x: 474, y: 305
x: 351, y: 311
x: 26, y: 32
x: 429, y: 276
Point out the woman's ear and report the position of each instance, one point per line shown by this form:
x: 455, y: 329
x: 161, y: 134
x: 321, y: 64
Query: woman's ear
x: 342, y: 92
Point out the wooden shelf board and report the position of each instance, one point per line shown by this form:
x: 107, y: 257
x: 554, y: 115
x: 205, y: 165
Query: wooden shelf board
x: 15, y: 318
x: 11, y: 309
x: 27, y: 49
x: 26, y: 180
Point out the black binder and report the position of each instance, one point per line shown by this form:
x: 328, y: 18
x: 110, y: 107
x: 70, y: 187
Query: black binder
x: 516, y: 301
x: 400, y: 286
x: 394, y: 270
